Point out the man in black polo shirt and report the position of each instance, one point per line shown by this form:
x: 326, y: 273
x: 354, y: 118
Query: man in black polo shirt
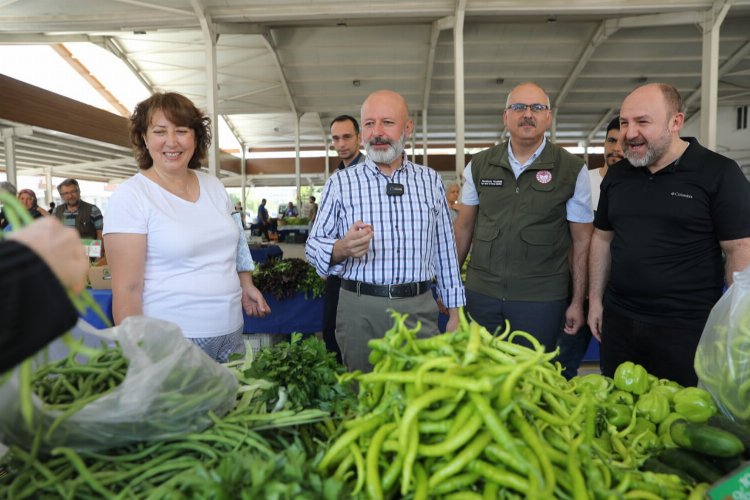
x: 666, y: 214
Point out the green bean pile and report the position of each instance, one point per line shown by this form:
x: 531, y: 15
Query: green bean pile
x: 163, y: 469
x: 477, y: 416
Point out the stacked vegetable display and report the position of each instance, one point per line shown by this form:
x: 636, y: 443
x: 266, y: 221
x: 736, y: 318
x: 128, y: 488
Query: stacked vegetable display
x: 472, y: 414
x: 459, y: 415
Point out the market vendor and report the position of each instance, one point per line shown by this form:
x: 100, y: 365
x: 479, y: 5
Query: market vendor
x: 384, y: 227
x: 37, y: 265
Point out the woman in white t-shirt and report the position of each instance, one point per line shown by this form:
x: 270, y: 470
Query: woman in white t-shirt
x: 171, y: 241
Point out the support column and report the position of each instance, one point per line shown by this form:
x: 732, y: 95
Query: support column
x: 458, y: 69
x: 710, y: 72
x: 10, y: 156
x: 297, y: 171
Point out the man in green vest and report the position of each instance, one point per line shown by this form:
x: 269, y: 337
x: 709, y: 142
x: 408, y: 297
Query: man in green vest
x: 526, y: 215
x: 86, y: 218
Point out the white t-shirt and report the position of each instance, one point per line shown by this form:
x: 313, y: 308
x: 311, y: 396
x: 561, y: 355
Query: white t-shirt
x: 190, y: 276
x: 595, y: 177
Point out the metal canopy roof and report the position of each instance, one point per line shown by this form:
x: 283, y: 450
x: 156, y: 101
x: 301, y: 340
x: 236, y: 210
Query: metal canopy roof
x: 318, y: 59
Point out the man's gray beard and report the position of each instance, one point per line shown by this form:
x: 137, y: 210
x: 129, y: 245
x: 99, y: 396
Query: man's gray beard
x: 640, y: 162
x: 388, y: 156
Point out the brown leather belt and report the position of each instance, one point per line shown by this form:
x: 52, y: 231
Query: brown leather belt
x: 401, y: 291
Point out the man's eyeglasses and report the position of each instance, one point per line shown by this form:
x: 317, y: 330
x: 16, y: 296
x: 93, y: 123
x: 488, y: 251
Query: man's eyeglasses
x: 520, y: 107
x: 68, y: 193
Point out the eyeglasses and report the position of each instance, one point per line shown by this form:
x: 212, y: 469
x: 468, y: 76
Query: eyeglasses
x: 520, y: 107
x: 68, y: 193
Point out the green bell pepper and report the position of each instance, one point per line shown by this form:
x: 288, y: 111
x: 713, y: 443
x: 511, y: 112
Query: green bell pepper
x: 597, y: 385
x: 644, y: 443
x: 653, y: 406
x: 621, y: 397
x: 618, y: 414
x: 642, y: 425
x: 632, y: 378
x: 695, y: 404
x: 665, y: 391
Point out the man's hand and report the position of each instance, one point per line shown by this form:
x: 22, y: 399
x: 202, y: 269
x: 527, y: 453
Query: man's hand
x: 574, y: 319
x: 452, y: 324
x: 355, y: 242
x: 595, y: 319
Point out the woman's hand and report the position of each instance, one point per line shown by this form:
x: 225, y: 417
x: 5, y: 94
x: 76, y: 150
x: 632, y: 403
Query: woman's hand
x: 252, y: 299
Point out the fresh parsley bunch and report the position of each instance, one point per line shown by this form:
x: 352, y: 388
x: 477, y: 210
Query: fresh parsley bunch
x: 307, y: 372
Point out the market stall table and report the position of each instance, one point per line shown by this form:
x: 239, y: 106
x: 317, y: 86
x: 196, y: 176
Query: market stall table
x: 295, y: 314
x: 294, y: 234
x: 263, y: 254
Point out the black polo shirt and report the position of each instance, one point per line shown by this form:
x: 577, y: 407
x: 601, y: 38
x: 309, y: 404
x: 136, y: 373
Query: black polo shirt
x: 667, y: 265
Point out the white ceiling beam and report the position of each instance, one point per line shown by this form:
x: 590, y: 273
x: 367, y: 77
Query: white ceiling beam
x: 240, y: 29
x: 606, y: 117
x: 155, y: 6
x: 82, y: 166
x: 437, y: 27
x: 666, y: 19
x: 736, y: 58
x: 603, y: 31
x: 93, y: 81
x: 268, y: 41
x: 43, y: 39
x: 112, y: 45
x: 212, y: 86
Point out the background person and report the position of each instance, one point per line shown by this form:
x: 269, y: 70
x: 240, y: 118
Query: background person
x: 290, y: 210
x: 525, y: 211
x: 665, y: 216
x: 346, y: 139
x: 27, y: 197
x: 452, y: 192
x: 38, y: 264
x: 313, y: 210
x: 74, y: 212
x: 573, y: 347
x: 173, y: 242
x: 264, y: 220
x: 384, y: 228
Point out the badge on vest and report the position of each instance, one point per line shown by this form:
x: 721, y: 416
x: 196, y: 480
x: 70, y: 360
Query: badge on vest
x: 543, y: 176
x: 491, y: 182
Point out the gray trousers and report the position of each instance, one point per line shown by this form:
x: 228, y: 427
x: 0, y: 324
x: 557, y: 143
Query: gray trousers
x: 362, y: 318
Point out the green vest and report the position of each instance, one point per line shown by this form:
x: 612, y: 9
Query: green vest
x: 521, y: 236
x: 84, y: 224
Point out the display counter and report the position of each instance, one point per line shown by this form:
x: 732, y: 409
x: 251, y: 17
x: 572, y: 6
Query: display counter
x: 295, y: 314
x: 293, y: 234
x: 263, y: 254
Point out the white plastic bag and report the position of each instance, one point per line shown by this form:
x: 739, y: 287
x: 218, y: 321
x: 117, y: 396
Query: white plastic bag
x: 170, y: 387
x: 722, y: 360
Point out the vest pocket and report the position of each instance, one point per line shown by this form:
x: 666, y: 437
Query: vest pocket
x: 541, y: 249
x: 481, y: 250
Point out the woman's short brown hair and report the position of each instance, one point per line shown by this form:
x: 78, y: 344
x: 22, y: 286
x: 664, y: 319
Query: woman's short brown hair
x: 179, y: 110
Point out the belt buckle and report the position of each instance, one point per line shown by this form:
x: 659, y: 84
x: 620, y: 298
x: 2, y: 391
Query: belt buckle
x: 390, y: 296
x: 359, y: 283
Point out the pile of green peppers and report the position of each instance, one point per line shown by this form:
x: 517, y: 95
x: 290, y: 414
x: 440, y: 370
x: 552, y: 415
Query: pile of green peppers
x: 635, y: 410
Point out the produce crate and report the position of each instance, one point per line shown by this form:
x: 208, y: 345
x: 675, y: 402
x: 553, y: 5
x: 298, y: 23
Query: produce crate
x: 260, y: 340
